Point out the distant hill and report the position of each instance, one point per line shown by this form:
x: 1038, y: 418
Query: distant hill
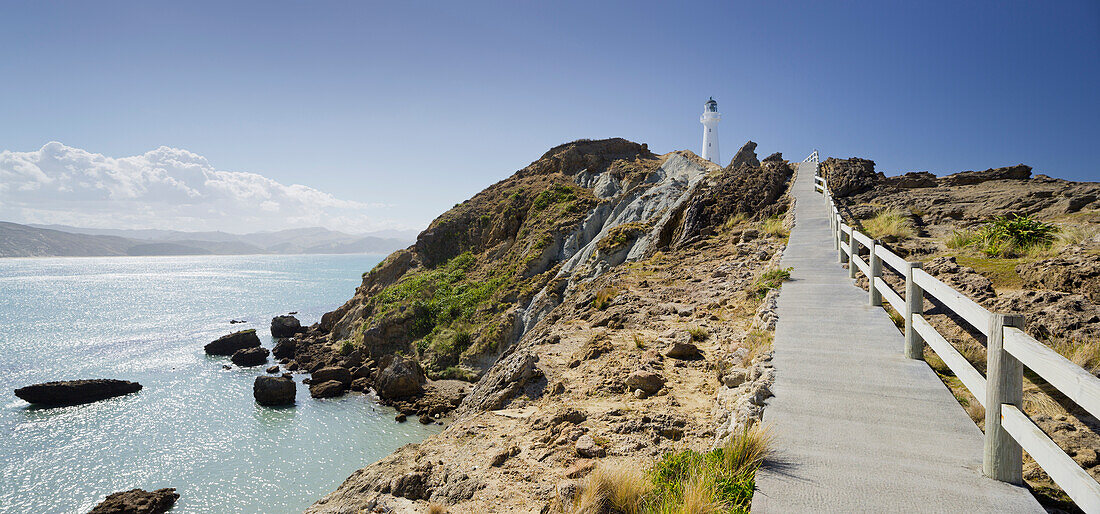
x: 63, y: 241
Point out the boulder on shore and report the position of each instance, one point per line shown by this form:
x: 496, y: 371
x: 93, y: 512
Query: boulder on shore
x: 253, y: 356
x: 403, y: 377
x: 273, y: 390
x: 138, y: 501
x: 285, y: 349
x: 230, y: 343
x: 328, y: 389
x: 72, y: 392
x: 337, y: 373
x: 285, y: 326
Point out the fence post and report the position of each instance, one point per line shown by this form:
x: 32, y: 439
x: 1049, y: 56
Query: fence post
x: 853, y: 251
x: 1003, y: 457
x: 841, y: 256
x: 914, y: 304
x: 874, y: 296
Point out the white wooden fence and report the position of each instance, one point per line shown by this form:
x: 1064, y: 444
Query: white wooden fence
x: 1008, y: 430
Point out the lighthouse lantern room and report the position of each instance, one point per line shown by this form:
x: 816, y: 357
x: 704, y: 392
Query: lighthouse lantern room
x: 710, y: 119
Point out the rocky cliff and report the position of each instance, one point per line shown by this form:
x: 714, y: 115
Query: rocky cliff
x: 603, y: 303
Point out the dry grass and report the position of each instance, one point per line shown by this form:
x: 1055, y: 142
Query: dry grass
x: 1082, y: 353
x: 615, y: 487
x: 976, y: 412
x: 774, y: 227
x: 639, y: 341
x: 755, y: 343
x: 698, y: 333
x: 891, y: 224
x: 1038, y: 402
x: 435, y: 508
x: 604, y: 297
x: 698, y: 497
x: 745, y: 453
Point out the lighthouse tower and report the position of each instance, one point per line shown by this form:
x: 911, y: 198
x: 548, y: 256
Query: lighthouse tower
x: 710, y: 119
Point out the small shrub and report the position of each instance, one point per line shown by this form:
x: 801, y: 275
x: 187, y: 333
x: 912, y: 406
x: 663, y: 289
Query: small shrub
x: 959, y: 239
x: 604, y: 297
x: 890, y: 225
x: 716, y: 481
x: 770, y: 279
x: 346, y: 347
x: 639, y: 341
x: 1007, y: 236
x: 698, y: 333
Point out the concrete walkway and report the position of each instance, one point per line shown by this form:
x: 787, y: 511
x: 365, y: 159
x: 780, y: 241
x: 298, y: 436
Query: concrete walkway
x: 860, y: 428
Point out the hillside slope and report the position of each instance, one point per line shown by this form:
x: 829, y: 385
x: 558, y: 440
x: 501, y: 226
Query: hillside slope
x: 602, y: 293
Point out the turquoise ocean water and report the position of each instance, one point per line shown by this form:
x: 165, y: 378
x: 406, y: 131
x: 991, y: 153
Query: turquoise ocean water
x: 194, y: 426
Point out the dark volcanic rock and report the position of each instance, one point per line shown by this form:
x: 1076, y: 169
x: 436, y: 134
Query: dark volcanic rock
x: 756, y: 191
x: 228, y: 344
x: 342, y: 375
x: 849, y: 176
x: 284, y: 349
x: 74, y: 392
x: 912, y: 180
x: 285, y: 326
x: 250, y: 356
x: 402, y: 377
x: 273, y: 391
x: 327, y: 389
x: 746, y: 156
x: 138, y: 501
x: 1075, y: 271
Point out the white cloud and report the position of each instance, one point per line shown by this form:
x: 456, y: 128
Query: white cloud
x: 165, y: 188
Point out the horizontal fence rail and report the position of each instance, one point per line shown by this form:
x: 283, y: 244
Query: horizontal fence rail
x: 1008, y: 431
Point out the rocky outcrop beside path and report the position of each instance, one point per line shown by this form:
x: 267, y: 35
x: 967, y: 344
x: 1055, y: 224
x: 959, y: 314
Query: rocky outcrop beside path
x: 74, y: 392
x: 138, y: 501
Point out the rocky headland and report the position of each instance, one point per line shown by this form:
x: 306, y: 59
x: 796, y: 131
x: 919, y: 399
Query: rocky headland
x: 603, y: 304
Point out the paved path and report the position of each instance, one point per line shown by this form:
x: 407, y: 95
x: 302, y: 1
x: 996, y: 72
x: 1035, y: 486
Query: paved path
x: 860, y: 428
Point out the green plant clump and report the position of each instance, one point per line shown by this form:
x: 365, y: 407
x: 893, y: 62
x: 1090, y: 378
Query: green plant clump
x: 1008, y: 235
x: 771, y: 279
x: 556, y: 194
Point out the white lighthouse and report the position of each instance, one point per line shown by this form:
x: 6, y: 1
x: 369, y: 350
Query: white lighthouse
x: 710, y: 119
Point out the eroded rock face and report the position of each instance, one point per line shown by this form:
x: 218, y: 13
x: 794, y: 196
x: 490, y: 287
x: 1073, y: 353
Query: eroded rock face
x: 230, y: 343
x: 285, y: 326
x: 503, y: 382
x: 966, y: 178
x: 746, y: 156
x: 1053, y: 314
x: 1075, y: 271
x: 401, y: 378
x: 273, y: 391
x: 138, y: 501
x: 284, y: 349
x: 72, y: 392
x: 849, y: 176
x: 253, y: 356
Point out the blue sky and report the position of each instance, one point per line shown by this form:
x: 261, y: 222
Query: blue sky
x: 401, y: 109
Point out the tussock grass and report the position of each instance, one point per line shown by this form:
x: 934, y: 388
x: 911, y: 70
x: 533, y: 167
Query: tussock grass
x: 773, y: 226
x: 1080, y: 352
x: 976, y: 412
x: 604, y: 297
x: 698, y: 333
x: 688, y: 482
x: 435, y: 508
x: 639, y: 341
x: 1038, y: 402
x: 770, y: 279
x: 959, y: 239
x: 755, y: 343
x: 891, y: 224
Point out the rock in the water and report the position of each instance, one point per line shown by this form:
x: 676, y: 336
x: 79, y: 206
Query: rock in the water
x: 337, y: 373
x: 284, y: 349
x: 329, y: 389
x: 360, y: 384
x: 285, y: 326
x: 273, y: 391
x: 682, y: 350
x: 587, y: 447
x: 647, y: 381
x: 228, y: 344
x: 401, y: 378
x: 250, y: 356
x: 138, y: 501
x: 72, y: 392
x: 274, y: 370
x: 400, y: 417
